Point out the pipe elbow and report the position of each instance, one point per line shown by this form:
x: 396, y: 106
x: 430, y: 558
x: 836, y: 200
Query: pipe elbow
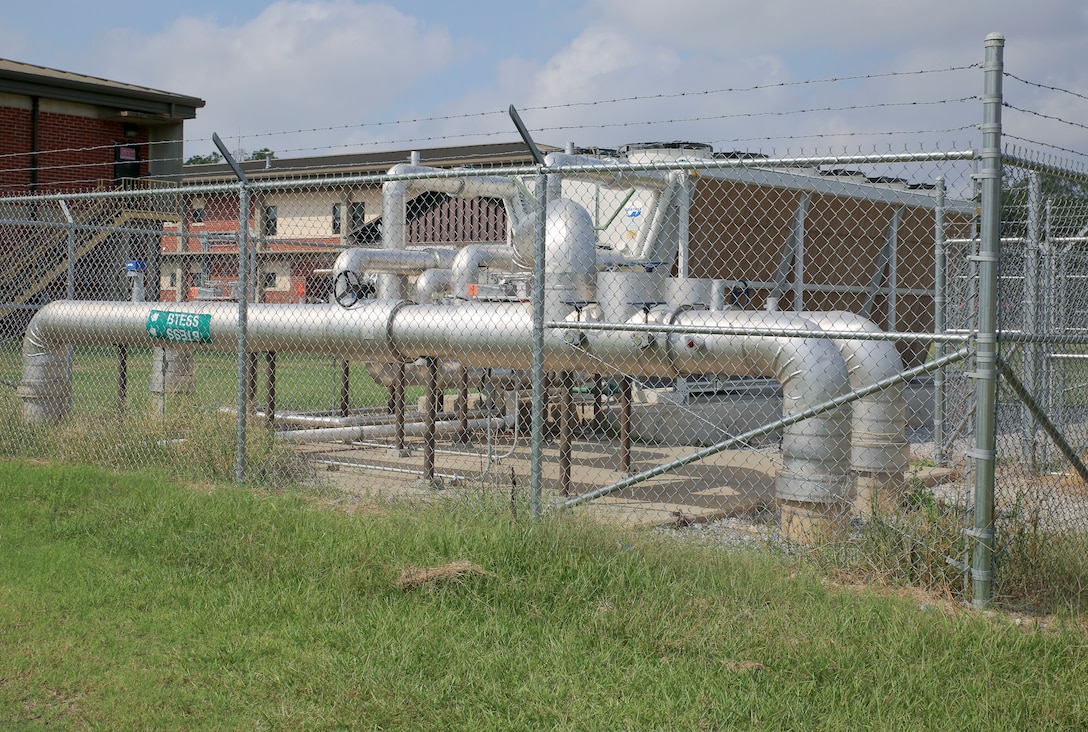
x: 46, y: 385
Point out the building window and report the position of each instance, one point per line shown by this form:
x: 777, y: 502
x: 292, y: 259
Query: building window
x: 268, y: 221
x: 269, y: 281
x: 361, y: 233
x: 358, y: 215
x: 336, y: 218
x: 198, y: 215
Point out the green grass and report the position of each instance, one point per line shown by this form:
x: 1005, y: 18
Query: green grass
x: 303, y: 382
x: 132, y: 602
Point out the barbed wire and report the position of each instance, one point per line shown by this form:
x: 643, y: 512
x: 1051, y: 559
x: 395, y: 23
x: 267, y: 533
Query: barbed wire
x: 757, y: 87
x: 505, y: 132
x: 1044, y: 144
x: 364, y: 125
x: 596, y: 102
x: 1046, y: 86
x: 752, y: 115
x: 856, y: 133
x: 1045, y: 116
x: 508, y: 133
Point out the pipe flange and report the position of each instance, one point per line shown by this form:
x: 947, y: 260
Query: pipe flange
x: 397, y: 307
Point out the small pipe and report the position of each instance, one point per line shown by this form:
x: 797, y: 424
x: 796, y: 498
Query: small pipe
x: 375, y: 431
x: 251, y: 381
x: 462, y: 406
x: 310, y: 421
x: 566, y: 431
x: 122, y: 378
x: 398, y: 410
x: 625, y: 424
x: 345, y: 388
x: 429, y: 413
x: 270, y: 387
x: 465, y: 270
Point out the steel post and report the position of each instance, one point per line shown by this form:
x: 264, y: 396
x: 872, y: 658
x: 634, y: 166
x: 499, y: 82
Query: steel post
x: 982, y: 533
x: 536, y: 438
x: 939, y: 302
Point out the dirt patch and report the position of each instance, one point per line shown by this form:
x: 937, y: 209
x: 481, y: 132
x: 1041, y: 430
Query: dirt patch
x: 412, y: 578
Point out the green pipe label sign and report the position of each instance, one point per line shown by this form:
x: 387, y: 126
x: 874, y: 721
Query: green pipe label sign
x: 178, y: 327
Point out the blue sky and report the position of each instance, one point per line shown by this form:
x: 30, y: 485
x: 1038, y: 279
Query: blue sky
x: 314, y: 76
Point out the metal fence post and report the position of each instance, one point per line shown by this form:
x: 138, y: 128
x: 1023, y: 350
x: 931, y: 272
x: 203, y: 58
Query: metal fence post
x: 536, y: 468
x: 1032, y: 312
x: 243, y: 311
x: 986, y: 349
x: 939, y: 303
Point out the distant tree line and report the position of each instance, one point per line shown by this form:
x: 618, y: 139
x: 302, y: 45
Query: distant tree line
x: 214, y: 157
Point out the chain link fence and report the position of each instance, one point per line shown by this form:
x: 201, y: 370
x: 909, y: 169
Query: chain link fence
x: 389, y: 326
x: 662, y: 334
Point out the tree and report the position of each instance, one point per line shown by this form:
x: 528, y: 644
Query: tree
x: 263, y: 154
x: 204, y: 159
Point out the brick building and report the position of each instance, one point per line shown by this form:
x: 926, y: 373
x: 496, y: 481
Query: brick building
x: 64, y: 131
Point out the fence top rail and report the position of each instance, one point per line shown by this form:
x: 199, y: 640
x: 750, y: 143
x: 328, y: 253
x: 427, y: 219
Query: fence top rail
x: 1019, y: 161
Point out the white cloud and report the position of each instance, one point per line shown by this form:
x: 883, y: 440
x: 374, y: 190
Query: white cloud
x: 648, y: 48
x: 333, y: 63
x: 296, y: 65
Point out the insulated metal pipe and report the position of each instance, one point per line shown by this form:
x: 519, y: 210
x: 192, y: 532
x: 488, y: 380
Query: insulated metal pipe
x: 466, y: 265
x: 362, y: 260
x: 879, y: 452
x: 433, y: 283
x: 395, y: 195
x: 811, y: 370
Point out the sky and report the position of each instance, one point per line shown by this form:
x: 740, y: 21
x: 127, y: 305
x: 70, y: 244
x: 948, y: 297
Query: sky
x: 307, y: 77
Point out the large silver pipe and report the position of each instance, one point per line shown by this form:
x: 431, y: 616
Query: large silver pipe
x: 466, y: 265
x: 433, y: 284
x: 879, y: 452
x: 363, y: 260
x: 483, y: 335
x: 811, y: 371
x: 395, y: 195
x: 570, y: 266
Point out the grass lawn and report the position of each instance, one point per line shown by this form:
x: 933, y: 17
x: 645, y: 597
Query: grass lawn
x: 132, y: 602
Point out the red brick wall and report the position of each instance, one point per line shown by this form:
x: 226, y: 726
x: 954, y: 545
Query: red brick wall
x: 74, y: 153
x: 15, y: 139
